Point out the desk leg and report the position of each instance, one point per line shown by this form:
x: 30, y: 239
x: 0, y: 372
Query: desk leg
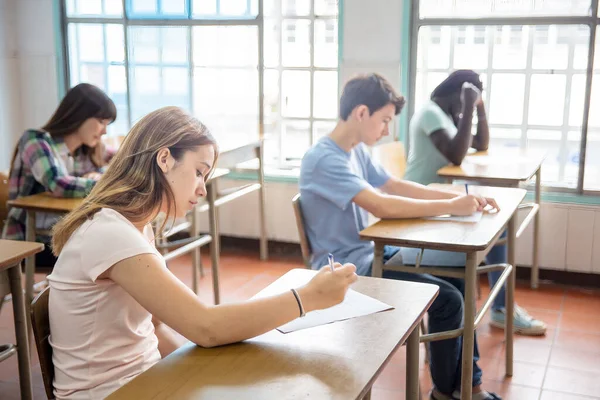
x: 377, y: 270
x: 469, y: 327
x: 264, y: 250
x: 412, y: 365
x: 367, y: 396
x: 510, y: 294
x: 21, y: 330
x: 535, y: 267
x: 214, y: 243
x: 29, y: 265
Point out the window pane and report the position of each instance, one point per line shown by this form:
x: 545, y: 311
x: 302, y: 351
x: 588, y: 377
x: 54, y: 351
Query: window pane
x: 505, y: 138
x: 272, y: 38
x: 576, y: 100
x: 154, y: 45
x: 93, y: 74
x: 471, y: 47
x: 296, y: 138
x: 225, y: 46
x: 507, y: 98
x: 322, y: 128
x: 493, y: 8
x: 550, y: 142
x: 434, y: 47
x: 295, y: 7
x: 547, y: 99
x: 112, y: 7
x: 204, y: 7
x: 295, y: 42
x: 115, y: 43
x: 117, y: 91
x: 326, y: 7
x: 82, y: 8
x: 144, y: 7
x: 226, y: 100
x: 295, y: 93
x: 326, y: 43
x: 271, y: 94
x: 90, y: 40
x: 234, y: 7
x: 173, y: 7
x: 325, y: 94
x: 550, y: 49
x: 510, y: 47
x: 426, y: 82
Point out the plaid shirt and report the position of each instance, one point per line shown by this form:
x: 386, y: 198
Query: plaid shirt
x: 43, y: 164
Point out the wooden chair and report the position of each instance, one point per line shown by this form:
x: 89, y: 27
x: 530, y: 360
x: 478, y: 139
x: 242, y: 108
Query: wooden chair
x: 392, y: 157
x: 40, y: 322
x: 304, y: 244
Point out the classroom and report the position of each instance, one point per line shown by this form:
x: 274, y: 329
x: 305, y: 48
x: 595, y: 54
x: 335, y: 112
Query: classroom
x: 283, y: 199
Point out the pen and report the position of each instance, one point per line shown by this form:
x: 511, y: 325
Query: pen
x: 330, y: 257
x: 467, y: 188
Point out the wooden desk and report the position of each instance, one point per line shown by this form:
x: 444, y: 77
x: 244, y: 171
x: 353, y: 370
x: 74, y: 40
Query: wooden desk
x: 11, y: 254
x: 334, y: 361
x: 468, y: 238
x: 45, y: 202
x: 506, y: 168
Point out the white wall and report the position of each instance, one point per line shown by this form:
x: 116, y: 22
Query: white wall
x: 28, y: 79
x: 10, y: 101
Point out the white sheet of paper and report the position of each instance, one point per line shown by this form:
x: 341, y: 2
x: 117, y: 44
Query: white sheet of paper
x: 354, y: 305
x: 475, y: 217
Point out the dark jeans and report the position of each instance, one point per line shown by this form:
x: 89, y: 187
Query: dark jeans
x: 445, y: 314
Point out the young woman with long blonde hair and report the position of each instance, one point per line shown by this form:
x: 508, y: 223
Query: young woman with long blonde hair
x: 110, y: 287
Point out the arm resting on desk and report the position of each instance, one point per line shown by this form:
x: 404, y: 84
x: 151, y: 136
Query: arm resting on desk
x: 400, y: 187
x: 383, y: 205
x: 156, y: 289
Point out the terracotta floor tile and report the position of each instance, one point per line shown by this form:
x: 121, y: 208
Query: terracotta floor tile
x: 574, y: 382
x: 549, y: 395
x: 575, y: 360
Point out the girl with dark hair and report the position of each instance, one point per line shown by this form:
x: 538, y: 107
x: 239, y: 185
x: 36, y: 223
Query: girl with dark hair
x: 64, y: 157
x: 441, y: 133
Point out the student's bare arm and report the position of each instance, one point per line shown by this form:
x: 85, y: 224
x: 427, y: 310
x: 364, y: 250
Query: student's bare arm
x: 400, y: 187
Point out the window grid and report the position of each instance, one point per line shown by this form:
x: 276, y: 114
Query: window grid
x: 128, y: 20
x: 515, y: 23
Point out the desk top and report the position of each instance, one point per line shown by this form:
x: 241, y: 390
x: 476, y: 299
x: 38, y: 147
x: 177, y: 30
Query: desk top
x: 335, y: 361
x: 45, y: 202
x: 449, y: 235
x: 499, y: 165
x: 13, y: 251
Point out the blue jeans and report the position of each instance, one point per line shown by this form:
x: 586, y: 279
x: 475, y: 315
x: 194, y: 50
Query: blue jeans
x: 497, y: 255
x: 446, y: 313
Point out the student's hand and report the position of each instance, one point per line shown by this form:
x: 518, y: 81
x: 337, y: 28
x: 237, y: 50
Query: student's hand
x: 327, y: 288
x: 470, y: 96
x: 465, y: 205
x: 489, y: 201
x: 93, y: 175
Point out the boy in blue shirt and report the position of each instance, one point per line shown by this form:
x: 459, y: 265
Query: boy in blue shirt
x: 340, y: 185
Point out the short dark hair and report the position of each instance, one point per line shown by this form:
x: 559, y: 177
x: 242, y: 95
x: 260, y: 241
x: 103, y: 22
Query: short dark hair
x: 453, y: 83
x: 371, y: 90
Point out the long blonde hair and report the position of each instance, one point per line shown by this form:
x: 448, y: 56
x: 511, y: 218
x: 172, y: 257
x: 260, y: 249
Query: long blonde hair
x: 133, y: 184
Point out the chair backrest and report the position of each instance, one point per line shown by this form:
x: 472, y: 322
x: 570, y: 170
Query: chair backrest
x: 304, y: 243
x: 3, y: 198
x: 41, y: 331
x: 392, y: 157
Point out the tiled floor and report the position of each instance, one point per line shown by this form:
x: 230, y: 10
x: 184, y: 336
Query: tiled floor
x: 563, y: 365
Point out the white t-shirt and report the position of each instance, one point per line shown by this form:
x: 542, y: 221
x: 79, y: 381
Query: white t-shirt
x: 100, y: 336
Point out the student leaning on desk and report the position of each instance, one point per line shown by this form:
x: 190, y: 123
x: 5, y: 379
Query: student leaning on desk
x: 64, y: 157
x: 440, y: 133
x: 110, y: 287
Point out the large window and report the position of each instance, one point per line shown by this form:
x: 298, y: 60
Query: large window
x: 204, y: 56
x: 533, y: 59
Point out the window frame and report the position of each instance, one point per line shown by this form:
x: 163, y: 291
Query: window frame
x: 592, y: 20
x: 127, y: 20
